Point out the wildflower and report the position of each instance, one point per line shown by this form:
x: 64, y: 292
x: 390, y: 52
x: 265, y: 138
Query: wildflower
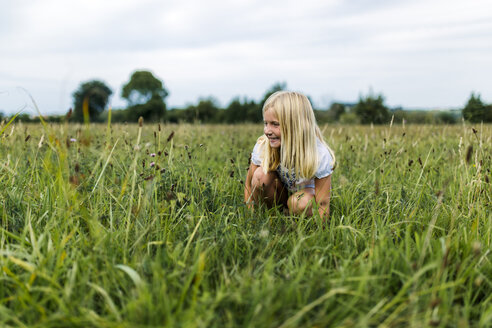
x: 152, y: 164
x: 152, y: 154
x: 73, y: 140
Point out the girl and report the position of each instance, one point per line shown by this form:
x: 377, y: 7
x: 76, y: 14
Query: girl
x: 291, y: 164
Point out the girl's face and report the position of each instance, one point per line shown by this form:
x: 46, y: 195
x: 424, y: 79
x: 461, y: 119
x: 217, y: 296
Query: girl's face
x: 271, y: 128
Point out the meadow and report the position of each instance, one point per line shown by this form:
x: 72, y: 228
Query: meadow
x: 129, y: 226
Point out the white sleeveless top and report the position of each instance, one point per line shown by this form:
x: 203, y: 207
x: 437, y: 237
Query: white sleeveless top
x: 289, y: 178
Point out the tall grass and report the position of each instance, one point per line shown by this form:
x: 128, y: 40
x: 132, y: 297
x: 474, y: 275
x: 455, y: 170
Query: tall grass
x: 93, y: 234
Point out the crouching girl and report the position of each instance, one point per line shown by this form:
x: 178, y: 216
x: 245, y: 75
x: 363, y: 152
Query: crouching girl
x: 291, y: 165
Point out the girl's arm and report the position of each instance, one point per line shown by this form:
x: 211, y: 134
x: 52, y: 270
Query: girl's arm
x: 247, y: 184
x: 322, y: 195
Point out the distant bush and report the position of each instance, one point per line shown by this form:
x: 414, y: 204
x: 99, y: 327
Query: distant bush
x: 426, y: 117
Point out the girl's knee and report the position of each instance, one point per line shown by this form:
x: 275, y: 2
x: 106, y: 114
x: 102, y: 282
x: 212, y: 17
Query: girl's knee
x: 260, y: 179
x: 300, y: 201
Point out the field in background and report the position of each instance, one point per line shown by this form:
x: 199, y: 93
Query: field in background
x: 124, y: 226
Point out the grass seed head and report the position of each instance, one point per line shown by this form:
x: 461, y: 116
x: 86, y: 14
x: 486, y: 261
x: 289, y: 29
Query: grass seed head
x: 477, y: 248
x: 435, y: 302
x: 40, y: 144
x: 69, y: 114
x: 469, y: 152
x: 74, y: 180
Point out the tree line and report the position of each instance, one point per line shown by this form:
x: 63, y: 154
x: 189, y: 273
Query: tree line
x: 145, y: 95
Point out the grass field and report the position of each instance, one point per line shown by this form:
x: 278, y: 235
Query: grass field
x: 95, y: 231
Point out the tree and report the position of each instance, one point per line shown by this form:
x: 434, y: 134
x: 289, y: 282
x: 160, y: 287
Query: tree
x: 254, y: 111
x: 206, y: 111
x: 336, y: 110
x: 476, y: 111
x: 242, y: 111
x: 278, y: 86
x: 488, y: 113
x: 145, y: 95
x: 96, y: 94
x: 372, y: 110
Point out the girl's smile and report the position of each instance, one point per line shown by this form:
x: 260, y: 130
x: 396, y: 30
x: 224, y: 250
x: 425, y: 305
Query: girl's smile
x: 271, y: 128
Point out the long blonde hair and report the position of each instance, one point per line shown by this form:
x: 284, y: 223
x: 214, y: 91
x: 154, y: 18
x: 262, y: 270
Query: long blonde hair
x: 298, y: 151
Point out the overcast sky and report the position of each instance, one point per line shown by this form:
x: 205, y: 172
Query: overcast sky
x: 417, y: 53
